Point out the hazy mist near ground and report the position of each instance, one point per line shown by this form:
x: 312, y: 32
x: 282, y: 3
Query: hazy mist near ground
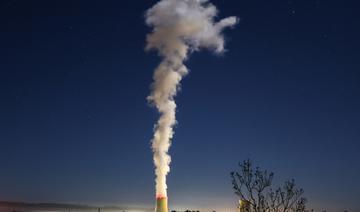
x: 32, y: 209
x: 67, y: 209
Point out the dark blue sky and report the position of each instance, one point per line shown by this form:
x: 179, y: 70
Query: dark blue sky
x: 75, y: 125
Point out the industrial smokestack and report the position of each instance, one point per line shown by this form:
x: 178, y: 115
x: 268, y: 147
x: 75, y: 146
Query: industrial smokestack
x: 179, y: 27
x: 161, y: 204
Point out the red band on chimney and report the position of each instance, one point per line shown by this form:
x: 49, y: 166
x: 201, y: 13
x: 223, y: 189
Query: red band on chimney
x: 158, y: 197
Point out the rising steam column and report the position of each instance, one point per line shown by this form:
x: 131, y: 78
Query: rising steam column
x: 179, y: 27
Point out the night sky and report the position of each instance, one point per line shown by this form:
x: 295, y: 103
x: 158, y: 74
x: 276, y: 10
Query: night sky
x: 75, y: 125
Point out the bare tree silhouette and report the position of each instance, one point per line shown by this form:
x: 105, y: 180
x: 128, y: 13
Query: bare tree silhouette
x: 254, y: 187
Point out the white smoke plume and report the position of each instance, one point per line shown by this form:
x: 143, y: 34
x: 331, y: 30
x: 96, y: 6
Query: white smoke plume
x: 179, y: 28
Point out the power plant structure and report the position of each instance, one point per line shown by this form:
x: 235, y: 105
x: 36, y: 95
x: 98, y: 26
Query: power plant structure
x: 244, y: 206
x: 161, y: 204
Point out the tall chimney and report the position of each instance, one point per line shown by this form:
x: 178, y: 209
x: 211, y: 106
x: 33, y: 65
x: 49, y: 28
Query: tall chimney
x: 161, y: 204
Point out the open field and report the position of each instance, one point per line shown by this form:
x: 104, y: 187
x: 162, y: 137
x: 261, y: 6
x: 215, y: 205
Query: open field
x: 53, y: 207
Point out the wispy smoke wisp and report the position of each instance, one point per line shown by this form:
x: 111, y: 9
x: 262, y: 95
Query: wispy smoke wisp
x: 179, y: 28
